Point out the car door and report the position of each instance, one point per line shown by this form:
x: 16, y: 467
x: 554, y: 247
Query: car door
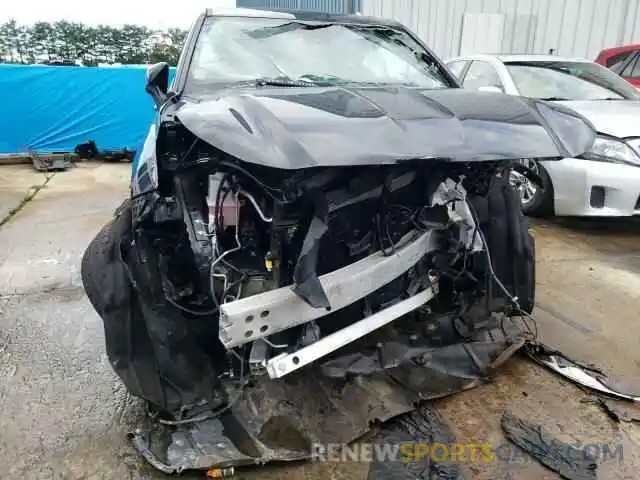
x: 481, y: 75
x: 618, y: 61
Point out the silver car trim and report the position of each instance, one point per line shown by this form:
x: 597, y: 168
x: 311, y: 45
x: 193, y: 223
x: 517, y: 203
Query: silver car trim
x: 285, y: 363
x: 264, y: 314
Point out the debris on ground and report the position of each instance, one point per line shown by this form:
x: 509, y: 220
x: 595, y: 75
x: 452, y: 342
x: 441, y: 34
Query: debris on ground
x: 627, y: 412
x: 272, y: 422
x: 52, y: 162
x: 221, y: 473
x: 562, y: 458
x: 90, y: 151
x: 587, y: 375
x: 426, y: 426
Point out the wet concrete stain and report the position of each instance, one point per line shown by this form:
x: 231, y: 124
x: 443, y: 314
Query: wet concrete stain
x: 65, y: 415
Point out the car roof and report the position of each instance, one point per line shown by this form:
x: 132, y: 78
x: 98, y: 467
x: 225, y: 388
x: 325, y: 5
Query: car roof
x: 304, y: 16
x: 506, y: 58
x: 621, y: 48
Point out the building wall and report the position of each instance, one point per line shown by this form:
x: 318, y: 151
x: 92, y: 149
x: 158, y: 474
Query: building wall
x: 325, y: 6
x: 579, y: 28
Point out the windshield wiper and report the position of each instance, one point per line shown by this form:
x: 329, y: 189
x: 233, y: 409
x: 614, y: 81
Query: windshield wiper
x: 325, y: 79
x: 283, y: 82
x: 555, y: 99
x: 329, y: 80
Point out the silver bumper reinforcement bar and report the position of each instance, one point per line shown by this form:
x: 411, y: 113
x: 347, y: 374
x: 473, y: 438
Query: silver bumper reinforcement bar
x: 264, y: 314
x: 286, y: 363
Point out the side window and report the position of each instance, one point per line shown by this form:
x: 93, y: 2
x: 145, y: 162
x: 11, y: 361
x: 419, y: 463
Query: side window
x: 636, y: 69
x: 633, y: 68
x: 614, y: 62
x: 481, y: 74
x: 457, y: 67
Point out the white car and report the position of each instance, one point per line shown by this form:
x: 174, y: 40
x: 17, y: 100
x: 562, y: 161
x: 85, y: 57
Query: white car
x: 605, y: 182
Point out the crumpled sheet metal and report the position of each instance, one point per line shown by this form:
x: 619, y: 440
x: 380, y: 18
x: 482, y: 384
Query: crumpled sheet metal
x: 549, y: 451
x: 583, y: 374
x: 279, y: 420
x: 454, y: 197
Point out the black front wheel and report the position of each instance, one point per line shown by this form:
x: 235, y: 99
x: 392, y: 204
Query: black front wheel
x: 536, y: 200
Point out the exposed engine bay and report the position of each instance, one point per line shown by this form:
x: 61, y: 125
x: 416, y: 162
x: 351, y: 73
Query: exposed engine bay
x: 243, y: 271
x: 242, y: 301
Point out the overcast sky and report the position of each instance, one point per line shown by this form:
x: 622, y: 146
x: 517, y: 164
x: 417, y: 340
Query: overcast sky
x: 163, y: 14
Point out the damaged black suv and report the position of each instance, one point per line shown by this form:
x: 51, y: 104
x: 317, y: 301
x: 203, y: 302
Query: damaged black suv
x: 320, y: 233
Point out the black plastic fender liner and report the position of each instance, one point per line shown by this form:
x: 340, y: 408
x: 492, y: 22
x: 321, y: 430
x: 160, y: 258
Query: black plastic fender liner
x: 111, y: 294
x: 157, y: 354
x: 510, y: 242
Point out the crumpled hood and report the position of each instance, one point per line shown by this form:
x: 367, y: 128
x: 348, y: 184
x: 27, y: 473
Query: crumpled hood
x: 305, y: 127
x: 620, y: 118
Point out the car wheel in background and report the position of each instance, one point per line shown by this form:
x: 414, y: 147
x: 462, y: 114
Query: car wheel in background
x: 536, y: 200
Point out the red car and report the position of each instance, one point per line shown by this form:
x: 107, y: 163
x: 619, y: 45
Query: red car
x: 624, y: 60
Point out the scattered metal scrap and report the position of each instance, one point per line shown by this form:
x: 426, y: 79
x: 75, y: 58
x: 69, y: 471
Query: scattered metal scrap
x: 562, y: 458
x: 221, y: 473
x: 583, y: 374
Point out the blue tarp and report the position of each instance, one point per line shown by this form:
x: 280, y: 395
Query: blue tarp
x: 54, y: 108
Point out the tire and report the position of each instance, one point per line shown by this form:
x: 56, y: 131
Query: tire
x: 540, y: 204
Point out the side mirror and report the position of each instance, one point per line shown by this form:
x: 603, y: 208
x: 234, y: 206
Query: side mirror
x: 157, y: 82
x: 491, y: 89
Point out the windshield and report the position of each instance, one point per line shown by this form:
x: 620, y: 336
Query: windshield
x: 569, y: 81
x: 232, y: 49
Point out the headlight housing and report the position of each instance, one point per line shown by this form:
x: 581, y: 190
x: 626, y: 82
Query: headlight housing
x: 608, y: 149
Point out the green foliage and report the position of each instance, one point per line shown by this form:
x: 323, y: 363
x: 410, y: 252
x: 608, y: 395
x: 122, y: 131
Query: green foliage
x: 70, y: 42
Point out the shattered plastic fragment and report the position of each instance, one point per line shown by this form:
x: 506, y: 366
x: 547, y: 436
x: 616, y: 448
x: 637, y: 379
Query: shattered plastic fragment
x: 619, y: 412
x: 440, y: 364
x: 558, y: 456
x: 425, y: 427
